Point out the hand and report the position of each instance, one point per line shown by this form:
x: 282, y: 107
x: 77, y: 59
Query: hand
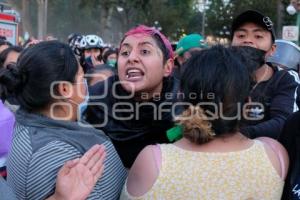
x: 95, y: 61
x: 32, y: 43
x: 77, y: 178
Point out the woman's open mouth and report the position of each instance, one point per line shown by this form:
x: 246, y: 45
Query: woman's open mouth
x: 134, y: 74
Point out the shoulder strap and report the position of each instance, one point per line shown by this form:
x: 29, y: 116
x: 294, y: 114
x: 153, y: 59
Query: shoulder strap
x: 278, y: 153
x: 156, y: 151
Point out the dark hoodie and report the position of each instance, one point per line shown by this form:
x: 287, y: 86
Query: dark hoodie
x: 272, y: 101
x: 290, y: 139
x: 278, y: 97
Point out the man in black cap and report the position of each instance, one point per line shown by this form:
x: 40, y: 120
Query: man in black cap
x: 251, y: 28
x: 273, y: 89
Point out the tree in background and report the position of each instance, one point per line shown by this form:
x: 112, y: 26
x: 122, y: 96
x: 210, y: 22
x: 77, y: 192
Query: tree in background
x: 221, y: 13
x: 110, y: 19
x: 28, y: 11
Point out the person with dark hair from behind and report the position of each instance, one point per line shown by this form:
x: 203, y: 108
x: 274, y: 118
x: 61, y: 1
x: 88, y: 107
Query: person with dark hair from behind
x: 213, y: 159
x: 48, y: 131
x: 273, y: 94
x: 73, y: 173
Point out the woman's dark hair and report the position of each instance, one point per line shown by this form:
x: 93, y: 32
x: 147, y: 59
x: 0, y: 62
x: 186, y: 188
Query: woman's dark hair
x: 214, y: 81
x: 5, y: 52
x: 108, y: 53
x: 37, y: 69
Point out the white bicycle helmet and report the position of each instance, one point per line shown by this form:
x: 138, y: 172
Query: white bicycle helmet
x: 91, y: 41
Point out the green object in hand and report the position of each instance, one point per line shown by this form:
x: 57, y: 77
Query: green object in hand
x: 175, y: 133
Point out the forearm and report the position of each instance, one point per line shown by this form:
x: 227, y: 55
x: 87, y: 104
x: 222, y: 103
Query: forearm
x: 270, y: 128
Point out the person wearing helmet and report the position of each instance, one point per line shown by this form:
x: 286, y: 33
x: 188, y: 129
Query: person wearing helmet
x: 91, y: 47
x: 74, y: 42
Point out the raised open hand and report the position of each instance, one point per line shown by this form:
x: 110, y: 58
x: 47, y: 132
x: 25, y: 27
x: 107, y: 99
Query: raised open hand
x: 77, y: 178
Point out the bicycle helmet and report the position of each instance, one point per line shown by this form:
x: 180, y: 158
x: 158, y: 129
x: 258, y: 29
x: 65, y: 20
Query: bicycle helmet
x: 72, y: 36
x: 74, y: 43
x: 91, y: 41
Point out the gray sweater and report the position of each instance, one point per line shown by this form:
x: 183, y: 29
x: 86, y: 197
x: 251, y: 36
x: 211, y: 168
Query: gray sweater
x: 5, y: 191
x: 42, y: 145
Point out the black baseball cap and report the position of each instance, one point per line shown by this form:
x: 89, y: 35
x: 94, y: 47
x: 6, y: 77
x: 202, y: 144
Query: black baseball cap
x: 254, y: 17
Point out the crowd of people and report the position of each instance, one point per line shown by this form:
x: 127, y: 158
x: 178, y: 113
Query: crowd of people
x: 146, y: 120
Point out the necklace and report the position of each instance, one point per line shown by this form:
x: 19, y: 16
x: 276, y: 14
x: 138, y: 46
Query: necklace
x: 262, y: 78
